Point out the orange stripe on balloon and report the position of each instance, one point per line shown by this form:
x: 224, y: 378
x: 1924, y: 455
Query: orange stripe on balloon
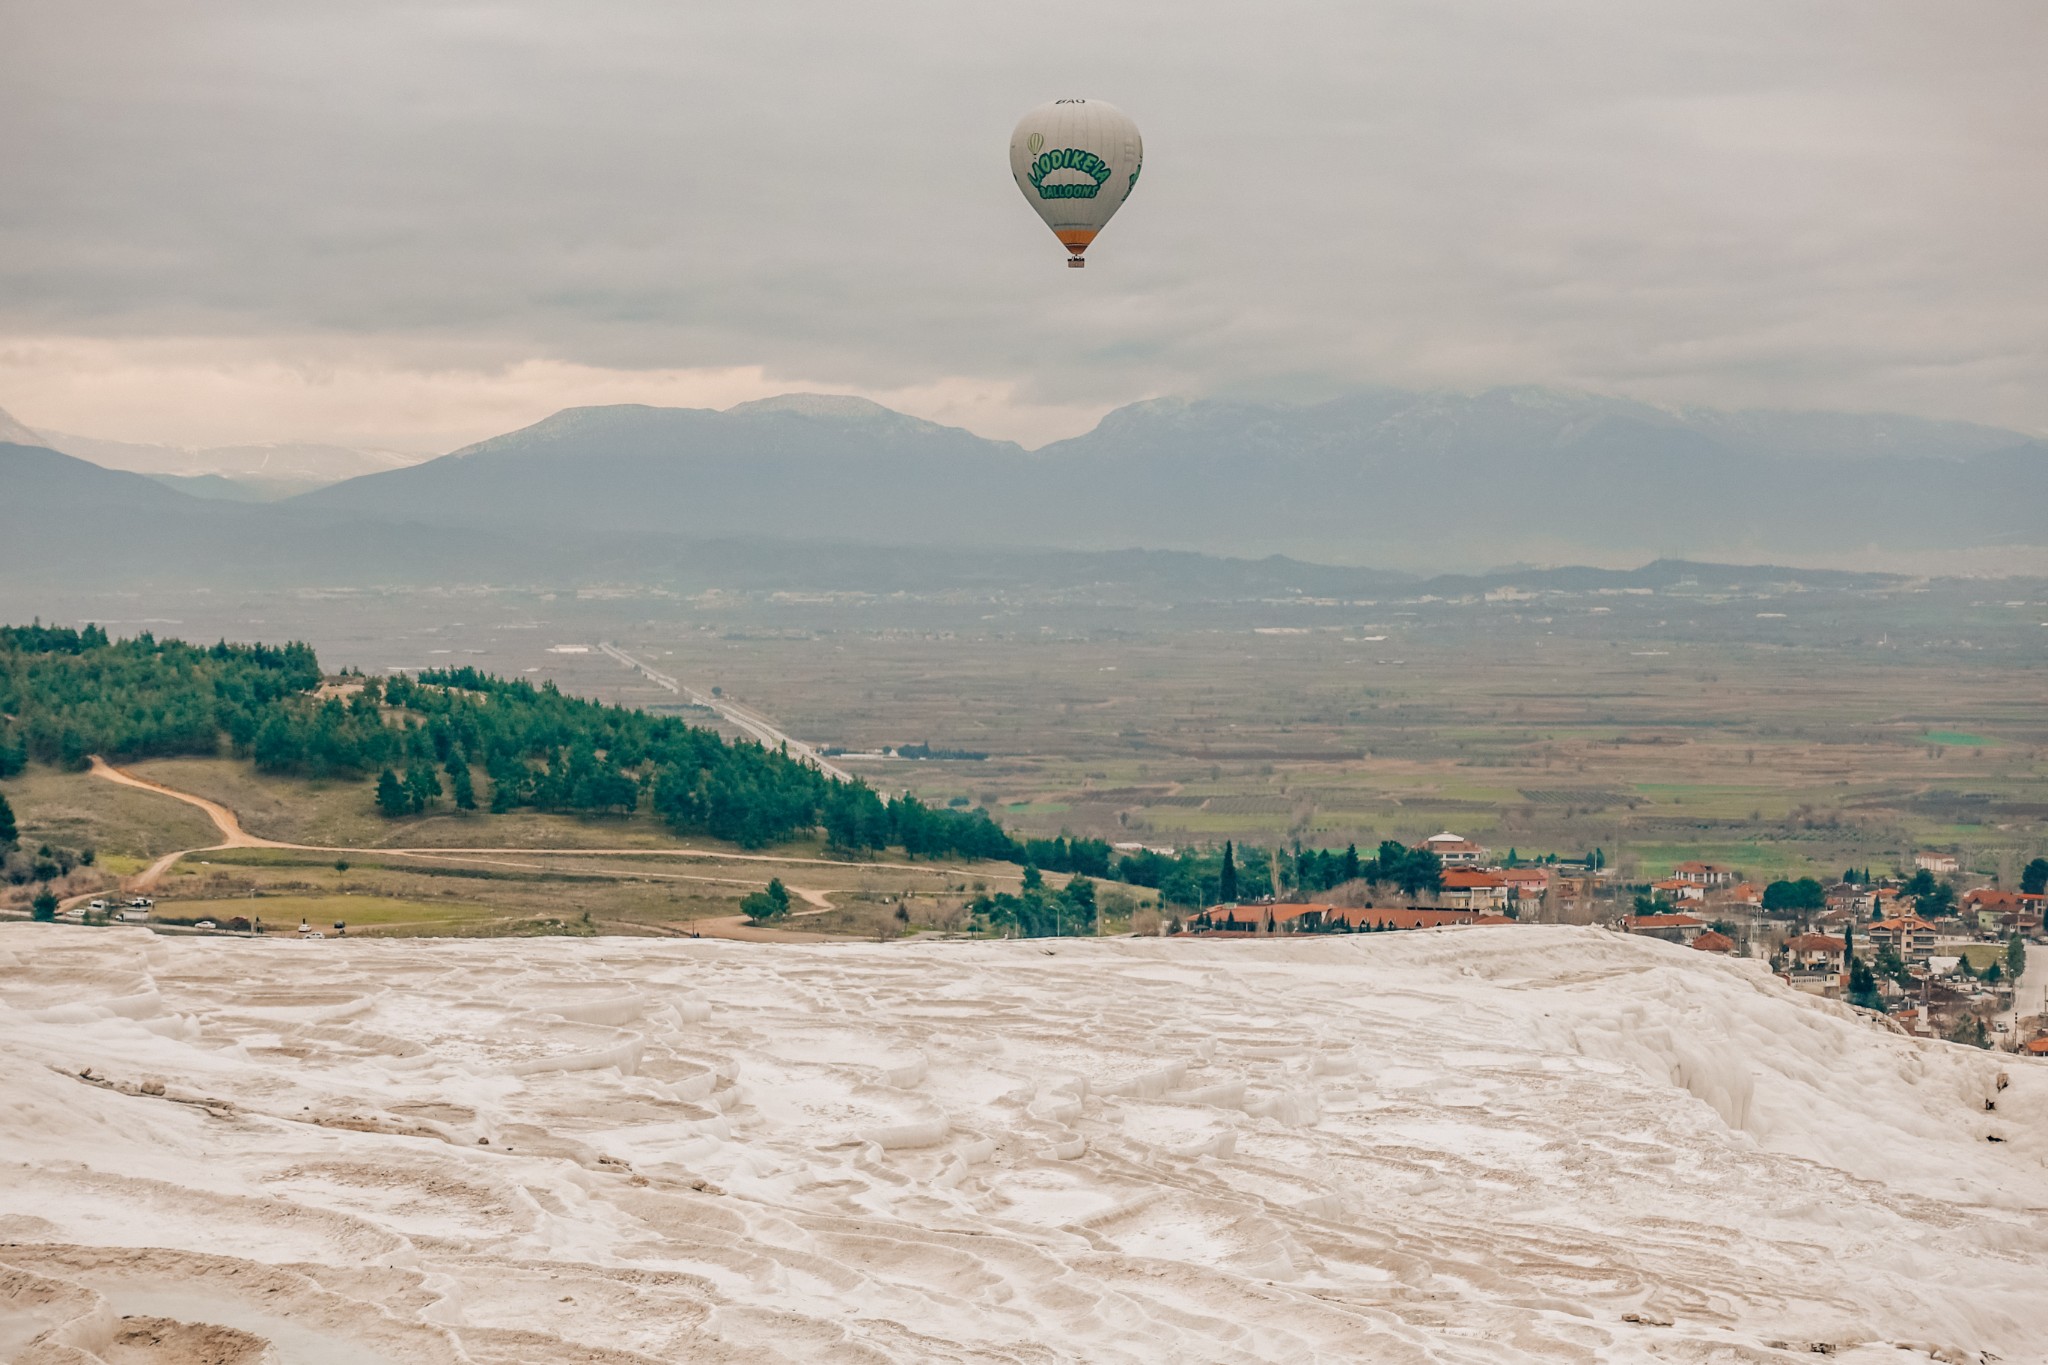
x: 1075, y: 240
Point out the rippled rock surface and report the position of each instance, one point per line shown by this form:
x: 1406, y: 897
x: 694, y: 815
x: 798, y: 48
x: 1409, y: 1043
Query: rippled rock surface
x: 1476, y: 1145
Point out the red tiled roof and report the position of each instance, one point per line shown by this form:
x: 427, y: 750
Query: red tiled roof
x: 2039, y: 1047
x: 1420, y: 917
x: 1664, y: 921
x: 1469, y: 879
x: 1904, y: 924
x: 1282, y: 912
x: 1712, y: 942
x: 1815, y: 943
x: 1395, y: 917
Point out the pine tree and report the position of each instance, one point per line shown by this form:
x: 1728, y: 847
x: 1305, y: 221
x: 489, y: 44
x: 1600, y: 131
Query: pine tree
x: 459, y: 783
x: 44, y: 906
x: 392, y: 797
x: 2016, y: 957
x: 421, y: 786
x: 9, y: 834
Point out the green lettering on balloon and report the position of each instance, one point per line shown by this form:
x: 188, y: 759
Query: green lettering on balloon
x: 1070, y: 159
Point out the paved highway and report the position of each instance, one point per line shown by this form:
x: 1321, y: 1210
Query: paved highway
x: 752, y: 722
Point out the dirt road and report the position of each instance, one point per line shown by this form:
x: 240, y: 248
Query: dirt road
x: 234, y: 836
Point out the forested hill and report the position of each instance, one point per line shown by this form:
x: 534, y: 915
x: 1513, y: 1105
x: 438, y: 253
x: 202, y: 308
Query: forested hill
x: 486, y: 745
x: 465, y: 738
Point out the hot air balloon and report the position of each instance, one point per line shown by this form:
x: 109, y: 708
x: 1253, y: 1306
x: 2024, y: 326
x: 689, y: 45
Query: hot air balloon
x: 1076, y: 161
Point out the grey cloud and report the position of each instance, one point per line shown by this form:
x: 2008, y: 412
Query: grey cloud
x: 1739, y: 202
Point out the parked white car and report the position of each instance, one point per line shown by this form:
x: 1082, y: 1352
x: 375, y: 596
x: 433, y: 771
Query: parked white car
x: 140, y: 903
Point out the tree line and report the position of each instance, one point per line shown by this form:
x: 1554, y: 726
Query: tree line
x: 66, y: 694
x: 467, y: 740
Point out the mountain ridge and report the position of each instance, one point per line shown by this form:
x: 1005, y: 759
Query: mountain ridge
x: 1374, y: 476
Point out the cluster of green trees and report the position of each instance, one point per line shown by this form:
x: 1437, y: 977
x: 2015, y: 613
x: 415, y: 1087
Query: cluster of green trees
x: 1201, y: 877
x: 48, y: 862
x: 543, y: 750
x: 70, y: 693
x: 1929, y: 894
x: 1036, y: 911
x: 2034, y: 880
x: 1088, y: 857
x: 1801, y: 897
x: 1412, y: 871
x: 1596, y: 860
x: 765, y: 907
x: 66, y: 694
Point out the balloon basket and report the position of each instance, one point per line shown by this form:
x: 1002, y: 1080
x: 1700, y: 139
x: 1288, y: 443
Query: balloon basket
x: 1075, y: 263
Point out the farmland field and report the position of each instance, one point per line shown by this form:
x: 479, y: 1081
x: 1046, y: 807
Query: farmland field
x: 1845, y: 725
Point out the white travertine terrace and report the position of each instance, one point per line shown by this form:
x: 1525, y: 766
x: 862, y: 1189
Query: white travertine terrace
x: 1475, y: 1145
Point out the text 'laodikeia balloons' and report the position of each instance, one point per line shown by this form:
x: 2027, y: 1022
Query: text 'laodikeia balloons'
x: 1076, y: 161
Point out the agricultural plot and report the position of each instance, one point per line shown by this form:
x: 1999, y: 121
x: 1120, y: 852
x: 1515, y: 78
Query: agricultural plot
x: 1850, y: 727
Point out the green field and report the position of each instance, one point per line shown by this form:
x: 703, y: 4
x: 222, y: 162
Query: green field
x: 1658, y: 728
x: 359, y: 912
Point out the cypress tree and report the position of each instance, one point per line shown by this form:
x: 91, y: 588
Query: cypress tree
x: 1228, y: 887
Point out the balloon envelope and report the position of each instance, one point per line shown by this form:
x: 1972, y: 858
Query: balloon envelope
x: 1076, y: 162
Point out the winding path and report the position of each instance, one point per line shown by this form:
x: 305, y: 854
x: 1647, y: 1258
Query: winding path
x: 724, y: 926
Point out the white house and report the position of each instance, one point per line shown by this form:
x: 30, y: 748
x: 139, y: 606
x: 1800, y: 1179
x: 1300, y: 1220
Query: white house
x: 1454, y: 850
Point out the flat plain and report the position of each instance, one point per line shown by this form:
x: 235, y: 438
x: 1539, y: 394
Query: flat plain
x: 1787, y: 729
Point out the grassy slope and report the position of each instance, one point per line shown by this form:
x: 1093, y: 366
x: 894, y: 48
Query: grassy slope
x: 343, y: 812
x: 496, y: 892
x: 78, y: 811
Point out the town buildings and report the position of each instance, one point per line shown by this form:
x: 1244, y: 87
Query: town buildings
x: 1908, y: 936
x: 1673, y: 928
x: 1466, y: 888
x: 1456, y: 851
x: 1704, y: 874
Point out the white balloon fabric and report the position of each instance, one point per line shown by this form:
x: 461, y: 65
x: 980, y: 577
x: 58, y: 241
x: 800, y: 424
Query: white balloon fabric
x: 1076, y: 162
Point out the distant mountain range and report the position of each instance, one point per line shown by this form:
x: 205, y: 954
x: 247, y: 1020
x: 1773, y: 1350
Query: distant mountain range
x: 1380, y: 476
x: 796, y: 490
x: 246, y: 473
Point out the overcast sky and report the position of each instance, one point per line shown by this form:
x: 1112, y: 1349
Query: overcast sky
x: 418, y: 224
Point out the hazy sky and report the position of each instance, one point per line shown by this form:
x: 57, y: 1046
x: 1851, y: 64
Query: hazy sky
x: 417, y: 224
